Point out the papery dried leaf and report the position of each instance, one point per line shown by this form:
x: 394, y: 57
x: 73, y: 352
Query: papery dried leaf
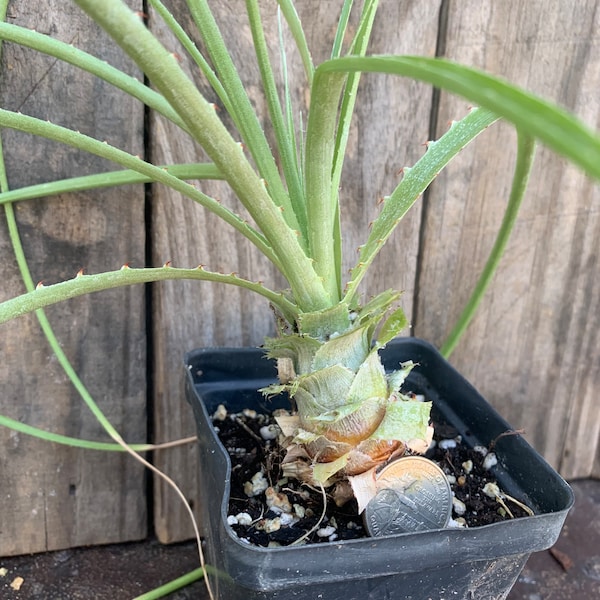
x: 364, y: 488
x: 421, y: 446
x: 288, y: 424
x: 371, y: 453
x: 322, y: 449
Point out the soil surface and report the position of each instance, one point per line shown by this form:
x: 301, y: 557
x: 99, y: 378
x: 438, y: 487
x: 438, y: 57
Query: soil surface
x: 268, y: 509
x: 570, y: 571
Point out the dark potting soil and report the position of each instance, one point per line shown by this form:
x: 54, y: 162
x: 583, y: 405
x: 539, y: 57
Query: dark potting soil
x: 266, y: 509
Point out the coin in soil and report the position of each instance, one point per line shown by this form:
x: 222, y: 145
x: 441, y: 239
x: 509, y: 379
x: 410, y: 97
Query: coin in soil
x: 413, y: 494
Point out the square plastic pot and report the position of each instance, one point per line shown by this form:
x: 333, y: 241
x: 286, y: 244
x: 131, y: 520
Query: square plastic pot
x: 476, y: 563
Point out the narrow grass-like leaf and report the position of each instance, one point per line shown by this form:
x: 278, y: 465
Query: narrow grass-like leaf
x: 175, y: 584
x: 285, y: 138
x: 66, y: 364
x: 75, y: 139
x: 19, y: 254
x: 243, y: 113
x: 285, y: 251
x: 193, y: 51
x: 547, y: 122
x: 65, y: 440
x: 82, y: 60
x: 291, y: 128
x: 525, y: 154
x: 359, y: 47
x: 184, y: 172
x: 342, y: 26
x: 291, y: 16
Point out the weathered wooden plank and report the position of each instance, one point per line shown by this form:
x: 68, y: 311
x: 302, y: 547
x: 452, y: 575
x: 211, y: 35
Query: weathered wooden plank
x: 390, y: 128
x: 534, y: 347
x: 52, y: 496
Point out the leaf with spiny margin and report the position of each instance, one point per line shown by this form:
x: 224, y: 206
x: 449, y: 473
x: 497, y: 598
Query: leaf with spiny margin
x: 324, y: 323
x: 392, y: 326
x: 370, y: 381
x: 404, y: 420
x: 398, y: 377
x: 349, y: 350
x: 378, y: 305
x: 373, y: 312
x: 340, y: 412
x: 351, y: 423
x: 322, y: 390
x: 300, y: 348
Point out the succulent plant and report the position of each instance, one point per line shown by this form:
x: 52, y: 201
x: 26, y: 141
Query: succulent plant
x: 351, y: 414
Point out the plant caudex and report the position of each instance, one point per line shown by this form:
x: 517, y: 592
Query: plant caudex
x: 351, y: 415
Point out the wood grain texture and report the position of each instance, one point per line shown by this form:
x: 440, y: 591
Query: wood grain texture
x: 534, y: 348
x: 391, y: 126
x: 53, y: 496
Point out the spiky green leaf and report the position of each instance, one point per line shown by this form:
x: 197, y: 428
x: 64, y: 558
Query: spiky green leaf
x: 300, y: 349
x: 397, y: 378
x: 322, y: 390
x: 392, y: 327
x: 370, y: 381
x: 404, y: 420
x: 349, y: 350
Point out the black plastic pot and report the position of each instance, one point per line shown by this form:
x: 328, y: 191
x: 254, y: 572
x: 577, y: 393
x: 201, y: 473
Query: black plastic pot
x: 479, y: 563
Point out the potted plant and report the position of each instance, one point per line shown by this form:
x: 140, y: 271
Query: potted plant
x: 329, y: 337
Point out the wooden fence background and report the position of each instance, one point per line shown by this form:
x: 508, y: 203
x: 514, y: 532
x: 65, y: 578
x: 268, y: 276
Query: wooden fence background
x: 533, y: 350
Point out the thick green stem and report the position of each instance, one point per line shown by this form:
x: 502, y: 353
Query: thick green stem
x: 525, y: 154
x: 321, y: 199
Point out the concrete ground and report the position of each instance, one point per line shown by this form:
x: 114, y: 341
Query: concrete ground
x: 569, y: 571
